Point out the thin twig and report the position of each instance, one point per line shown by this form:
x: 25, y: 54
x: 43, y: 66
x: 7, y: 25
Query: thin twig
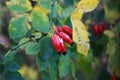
x: 16, y: 47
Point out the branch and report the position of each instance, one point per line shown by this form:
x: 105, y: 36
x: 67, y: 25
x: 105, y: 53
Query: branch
x: 21, y: 44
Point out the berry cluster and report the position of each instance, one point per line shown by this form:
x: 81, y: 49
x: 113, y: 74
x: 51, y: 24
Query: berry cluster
x: 61, y: 35
x: 99, y: 28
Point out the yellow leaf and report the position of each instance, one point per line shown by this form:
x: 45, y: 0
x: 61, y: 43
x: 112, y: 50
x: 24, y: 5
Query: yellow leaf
x: 79, y: 31
x: 87, y: 5
x: 42, y: 9
x: 83, y: 48
x: 28, y: 73
x: 80, y: 36
x: 77, y: 14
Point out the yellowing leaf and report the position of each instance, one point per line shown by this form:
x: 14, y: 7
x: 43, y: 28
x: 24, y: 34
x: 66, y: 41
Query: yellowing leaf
x: 77, y: 14
x: 28, y: 73
x: 87, y: 5
x: 41, y: 9
x: 83, y: 48
x: 19, y: 5
x: 80, y: 36
x: 109, y: 33
x: 79, y: 31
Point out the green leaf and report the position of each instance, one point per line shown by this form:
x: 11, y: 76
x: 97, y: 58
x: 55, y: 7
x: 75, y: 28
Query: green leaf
x: 73, y: 70
x: 109, y: 33
x: 73, y: 52
x: 64, y: 65
x: 19, y: 5
x: 111, y: 47
x: 67, y: 12
x: 42, y: 64
x: 22, y: 41
x: 45, y: 4
x: 2, y: 68
x: 85, y: 66
x: 102, y: 41
x: 53, y: 69
x: 37, y: 35
x: 46, y: 49
x: 10, y: 55
x: 17, y: 27
x: 100, y: 15
x: 11, y: 66
x: 45, y: 75
x: 1, y: 59
x: 114, y: 60
x: 40, y: 21
x: 13, y: 76
x: 118, y: 27
x: 32, y: 48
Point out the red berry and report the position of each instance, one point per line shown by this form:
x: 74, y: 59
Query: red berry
x: 67, y: 30
x: 65, y: 37
x: 56, y: 43
x: 114, y: 77
x: 95, y: 29
x: 63, y: 48
x: 58, y: 29
x: 100, y: 29
x: 105, y: 27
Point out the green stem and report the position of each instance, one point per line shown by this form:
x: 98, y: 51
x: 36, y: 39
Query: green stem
x: 16, y: 47
x: 51, y: 14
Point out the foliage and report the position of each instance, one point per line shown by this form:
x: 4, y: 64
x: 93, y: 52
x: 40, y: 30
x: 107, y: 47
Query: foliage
x: 32, y: 26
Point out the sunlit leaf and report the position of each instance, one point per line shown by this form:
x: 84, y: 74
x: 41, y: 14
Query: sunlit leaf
x: 87, y: 5
x: 45, y: 4
x: 17, y: 27
x: 19, y: 5
x: 80, y: 36
x: 39, y: 21
x: 22, y: 41
x: 109, y: 33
